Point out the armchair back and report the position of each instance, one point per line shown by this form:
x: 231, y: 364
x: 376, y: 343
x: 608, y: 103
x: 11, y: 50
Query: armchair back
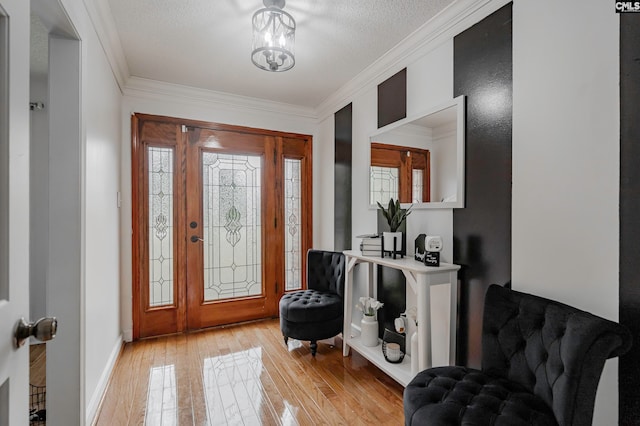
x: 325, y: 271
x: 556, y: 351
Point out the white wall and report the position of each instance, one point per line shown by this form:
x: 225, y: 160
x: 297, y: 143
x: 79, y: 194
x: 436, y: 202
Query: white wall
x: 324, y: 177
x: 566, y: 161
x: 102, y: 238
x: 444, y: 183
x: 65, y: 248
x: 39, y: 198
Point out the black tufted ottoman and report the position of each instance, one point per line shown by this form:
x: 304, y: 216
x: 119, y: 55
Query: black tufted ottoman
x: 541, y: 364
x: 316, y: 313
x: 464, y: 396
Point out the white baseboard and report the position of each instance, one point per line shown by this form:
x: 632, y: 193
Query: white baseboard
x: 127, y: 335
x: 96, y: 398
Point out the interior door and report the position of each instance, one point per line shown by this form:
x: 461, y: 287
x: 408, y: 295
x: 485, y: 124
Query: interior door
x: 14, y: 207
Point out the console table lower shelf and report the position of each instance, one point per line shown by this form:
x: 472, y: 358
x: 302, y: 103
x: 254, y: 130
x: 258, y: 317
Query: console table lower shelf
x: 400, y: 372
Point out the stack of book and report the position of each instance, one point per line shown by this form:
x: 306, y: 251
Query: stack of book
x: 371, y: 245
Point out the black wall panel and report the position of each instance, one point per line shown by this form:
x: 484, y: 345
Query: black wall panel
x: 392, y: 106
x: 482, y: 230
x: 629, y: 366
x: 392, y: 285
x: 392, y: 99
x: 342, y: 183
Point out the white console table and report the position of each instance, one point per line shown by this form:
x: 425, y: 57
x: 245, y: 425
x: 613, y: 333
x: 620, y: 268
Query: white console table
x: 420, y: 278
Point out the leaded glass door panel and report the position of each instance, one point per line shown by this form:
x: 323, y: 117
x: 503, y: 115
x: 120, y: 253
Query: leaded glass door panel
x: 231, y: 197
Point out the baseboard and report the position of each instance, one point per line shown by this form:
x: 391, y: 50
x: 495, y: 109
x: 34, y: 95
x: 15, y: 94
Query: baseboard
x: 127, y: 335
x: 96, y: 398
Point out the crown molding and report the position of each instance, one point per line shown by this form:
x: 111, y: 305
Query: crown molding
x: 158, y: 90
x: 102, y: 19
x: 445, y: 25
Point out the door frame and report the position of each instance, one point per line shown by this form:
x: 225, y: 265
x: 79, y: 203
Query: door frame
x: 139, y: 222
x: 14, y: 208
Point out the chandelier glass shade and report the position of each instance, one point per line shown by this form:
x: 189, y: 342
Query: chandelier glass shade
x: 274, y: 33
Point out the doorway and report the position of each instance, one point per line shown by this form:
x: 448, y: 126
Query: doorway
x: 56, y: 223
x: 222, y: 219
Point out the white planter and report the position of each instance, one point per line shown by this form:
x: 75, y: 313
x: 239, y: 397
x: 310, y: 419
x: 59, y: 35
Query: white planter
x: 389, y: 239
x: 369, y: 330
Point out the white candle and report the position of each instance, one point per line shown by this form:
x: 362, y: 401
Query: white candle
x: 393, y: 351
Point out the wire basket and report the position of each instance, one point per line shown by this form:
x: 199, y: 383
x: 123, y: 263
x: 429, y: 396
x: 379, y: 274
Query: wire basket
x: 37, y: 405
x: 390, y: 336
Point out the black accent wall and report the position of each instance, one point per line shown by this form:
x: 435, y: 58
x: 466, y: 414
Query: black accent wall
x: 629, y: 365
x: 392, y: 99
x: 482, y: 230
x: 392, y: 285
x: 342, y: 182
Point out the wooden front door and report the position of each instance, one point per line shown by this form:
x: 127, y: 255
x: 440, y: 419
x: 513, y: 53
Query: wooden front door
x: 224, y: 220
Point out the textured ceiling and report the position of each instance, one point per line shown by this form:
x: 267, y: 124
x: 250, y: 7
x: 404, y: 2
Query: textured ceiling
x: 207, y: 43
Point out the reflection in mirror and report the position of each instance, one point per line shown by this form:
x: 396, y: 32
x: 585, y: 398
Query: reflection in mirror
x: 420, y: 160
x: 399, y: 172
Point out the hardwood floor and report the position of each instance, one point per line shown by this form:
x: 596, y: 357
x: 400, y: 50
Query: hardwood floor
x: 38, y: 364
x: 244, y: 375
x: 38, y: 384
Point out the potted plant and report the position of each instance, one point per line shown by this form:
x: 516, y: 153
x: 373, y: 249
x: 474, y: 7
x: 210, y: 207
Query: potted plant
x: 395, y: 216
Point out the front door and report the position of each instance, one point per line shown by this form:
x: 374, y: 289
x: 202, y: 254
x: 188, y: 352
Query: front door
x: 14, y: 207
x: 223, y: 222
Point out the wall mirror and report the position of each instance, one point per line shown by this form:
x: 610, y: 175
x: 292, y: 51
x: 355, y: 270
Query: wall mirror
x: 420, y: 159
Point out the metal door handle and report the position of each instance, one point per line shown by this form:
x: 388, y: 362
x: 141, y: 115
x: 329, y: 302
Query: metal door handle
x: 44, y: 329
x: 195, y: 239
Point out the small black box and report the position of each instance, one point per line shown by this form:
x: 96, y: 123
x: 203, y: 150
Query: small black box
x: 432, y: 258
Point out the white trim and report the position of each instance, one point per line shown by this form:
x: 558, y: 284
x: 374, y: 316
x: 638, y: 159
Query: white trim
x: 127, y: 335
x: 96, y: 398
x: 445, y: 25
x: 102, y: 19
x: 454, y: 18
x: 169, y: 92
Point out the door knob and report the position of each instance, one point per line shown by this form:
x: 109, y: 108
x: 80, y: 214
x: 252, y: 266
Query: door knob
x: 195, y: 239
x: 44, y: 329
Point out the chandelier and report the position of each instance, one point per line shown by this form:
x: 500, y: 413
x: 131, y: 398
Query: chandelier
x: 274, y: 32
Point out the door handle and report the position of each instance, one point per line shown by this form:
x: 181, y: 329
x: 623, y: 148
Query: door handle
x: 195, y: 239
x: 44, y: 329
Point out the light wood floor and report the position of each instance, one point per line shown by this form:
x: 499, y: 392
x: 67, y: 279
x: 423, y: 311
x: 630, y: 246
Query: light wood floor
x: 38, y: 364
x: 38, y: 384
x: 244, y: 375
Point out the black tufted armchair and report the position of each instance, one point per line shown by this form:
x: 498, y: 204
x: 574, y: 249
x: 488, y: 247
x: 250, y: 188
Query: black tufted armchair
x: 541, y: 364
x: 317, y: 312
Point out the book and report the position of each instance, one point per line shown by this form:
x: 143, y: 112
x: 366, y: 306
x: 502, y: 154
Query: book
x: 371, y: 246
x: 368, y: 236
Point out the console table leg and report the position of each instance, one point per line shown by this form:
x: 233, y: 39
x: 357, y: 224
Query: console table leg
x: 348, y: 308
x: 453, y: 316
x: 424, y: 322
